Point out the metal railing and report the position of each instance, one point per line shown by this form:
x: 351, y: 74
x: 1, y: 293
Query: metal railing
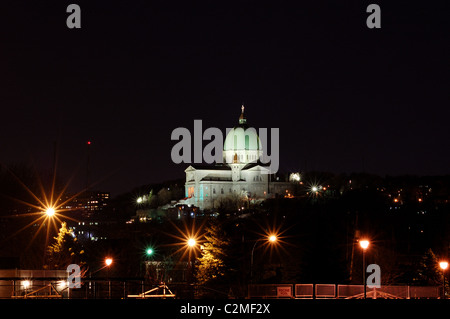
x: 120, y: 289
x: 270, y: 291
x: 321, y: 291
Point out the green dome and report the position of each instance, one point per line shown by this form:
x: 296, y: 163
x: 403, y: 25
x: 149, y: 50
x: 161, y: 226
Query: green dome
x: 242, y: 138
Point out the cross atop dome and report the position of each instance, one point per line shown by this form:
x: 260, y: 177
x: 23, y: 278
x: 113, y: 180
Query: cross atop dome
x: 242, y: 119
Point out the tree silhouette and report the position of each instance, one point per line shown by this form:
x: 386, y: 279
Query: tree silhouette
x: 428, y: 272
x: 211, y: 263
x: 64, y: 251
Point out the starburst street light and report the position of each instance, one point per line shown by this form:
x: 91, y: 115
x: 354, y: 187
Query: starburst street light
x: 50, y: 211
x: 149, y: 251
x: 314, y: 189
x: 48, y: 207
x: 191, y: 242
x: 188, y: 240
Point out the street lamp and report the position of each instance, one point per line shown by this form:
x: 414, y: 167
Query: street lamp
x: 191, y: 242
x: 149, y: 251
x: 108, y: 262
x: 50, y: 211
x: 444, y: 266
x: 271, y: 239
x: 364, y: 245
x: 26, y: 284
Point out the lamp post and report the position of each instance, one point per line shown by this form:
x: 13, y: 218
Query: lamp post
x: 270, y: 239
x: 364, y: 245
x: 108, y: 263
x: 26, y: 284
x: 148, y: 254
x: 191, y: 243
x: 444, y: 266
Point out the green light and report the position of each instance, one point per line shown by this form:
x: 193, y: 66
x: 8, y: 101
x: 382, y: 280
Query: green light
x: 149, y: 251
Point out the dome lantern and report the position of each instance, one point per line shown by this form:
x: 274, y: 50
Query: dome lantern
x: 242, y: 119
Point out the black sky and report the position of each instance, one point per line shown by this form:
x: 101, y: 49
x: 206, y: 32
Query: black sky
x: 345, y: 97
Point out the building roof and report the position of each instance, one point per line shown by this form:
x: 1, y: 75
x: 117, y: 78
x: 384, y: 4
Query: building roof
x: 216, y: 167
x: 216, y: 178
x: 255, y: 164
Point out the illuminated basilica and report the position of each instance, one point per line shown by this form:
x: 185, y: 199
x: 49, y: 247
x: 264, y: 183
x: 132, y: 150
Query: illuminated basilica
x: 241, y: 176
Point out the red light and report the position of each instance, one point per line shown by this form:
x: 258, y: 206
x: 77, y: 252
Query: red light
x: 88, y: 142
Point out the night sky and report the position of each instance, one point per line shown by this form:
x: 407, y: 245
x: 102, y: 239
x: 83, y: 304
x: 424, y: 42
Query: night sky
x: 345, y: 97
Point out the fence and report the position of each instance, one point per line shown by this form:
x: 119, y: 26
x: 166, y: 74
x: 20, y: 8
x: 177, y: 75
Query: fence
x: 121, y: 289
x: 270, y: 291
x: 321, y: 291
x: 348, y: 291
x: 304, y: 291
x: 39, y: 288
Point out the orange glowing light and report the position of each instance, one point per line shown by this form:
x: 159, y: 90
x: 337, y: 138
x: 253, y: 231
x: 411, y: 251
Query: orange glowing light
x: 188, y: 239
x: 364, y: 244
x: 50, y: 212
x: 108, y: 261
x: 191, y: 242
